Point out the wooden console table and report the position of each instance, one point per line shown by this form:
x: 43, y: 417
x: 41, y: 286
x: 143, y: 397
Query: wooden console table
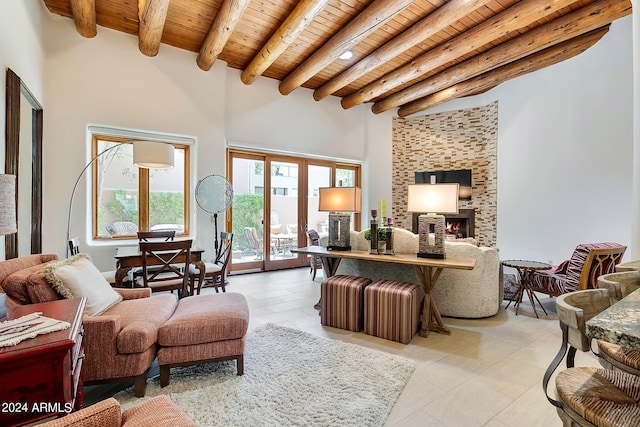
x: 428, y: 270
x: 42, y: 376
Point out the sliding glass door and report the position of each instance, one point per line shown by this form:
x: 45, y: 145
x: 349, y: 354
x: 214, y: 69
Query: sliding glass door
x: 275, y: 203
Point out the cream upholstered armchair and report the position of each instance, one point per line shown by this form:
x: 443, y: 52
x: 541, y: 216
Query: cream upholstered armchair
x: 580, y: 271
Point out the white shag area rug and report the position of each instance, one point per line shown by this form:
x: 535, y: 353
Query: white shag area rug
x: 291, y: 378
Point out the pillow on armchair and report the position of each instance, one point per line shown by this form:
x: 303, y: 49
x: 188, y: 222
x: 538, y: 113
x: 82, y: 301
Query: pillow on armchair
x: 77, y: 277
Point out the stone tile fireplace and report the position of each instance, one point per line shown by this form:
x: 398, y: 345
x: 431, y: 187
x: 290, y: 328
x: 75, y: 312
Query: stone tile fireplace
x: 462, y: 139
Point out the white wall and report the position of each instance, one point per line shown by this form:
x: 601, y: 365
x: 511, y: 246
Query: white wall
x: 107, y: 81
x: 20, y: 50
x: 565, y: 152
x: 635, y: 228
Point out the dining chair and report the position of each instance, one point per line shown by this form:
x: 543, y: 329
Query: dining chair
x: 588, y: 396
x: 313, y: 239
x: 151, y: 236
x: 162, y: 266
x: 74, y: 249
x: 160, y: 235
x: 215, y: 275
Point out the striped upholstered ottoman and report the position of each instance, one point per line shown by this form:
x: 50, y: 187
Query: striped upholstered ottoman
x: 392, y: 310
x: 342, y: 301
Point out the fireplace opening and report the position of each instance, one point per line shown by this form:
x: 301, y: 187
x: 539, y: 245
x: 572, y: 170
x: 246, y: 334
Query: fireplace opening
x: 461, y: 225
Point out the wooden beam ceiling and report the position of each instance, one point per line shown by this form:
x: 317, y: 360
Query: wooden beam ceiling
x: 410, y: 55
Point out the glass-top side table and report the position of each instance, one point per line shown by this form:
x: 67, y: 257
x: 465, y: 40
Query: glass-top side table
x: 525, y: 271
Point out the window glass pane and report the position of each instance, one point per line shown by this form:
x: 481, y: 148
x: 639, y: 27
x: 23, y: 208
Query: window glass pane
x: 248, y: 210
x: 117, y: 195
x: 319, y: 176
x: 345, y: 177
x: 166, y: 196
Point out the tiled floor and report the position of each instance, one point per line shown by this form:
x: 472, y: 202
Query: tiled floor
x: 488, y: 372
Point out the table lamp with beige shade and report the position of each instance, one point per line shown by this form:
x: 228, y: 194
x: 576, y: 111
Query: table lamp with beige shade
x: 435, y: 199
x: 339, y: 202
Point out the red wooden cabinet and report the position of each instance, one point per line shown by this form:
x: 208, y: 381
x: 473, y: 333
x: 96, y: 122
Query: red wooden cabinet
x: 42, y: 376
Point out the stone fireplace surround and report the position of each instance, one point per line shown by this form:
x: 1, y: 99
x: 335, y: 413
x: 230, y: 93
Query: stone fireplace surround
x: 462, y: 139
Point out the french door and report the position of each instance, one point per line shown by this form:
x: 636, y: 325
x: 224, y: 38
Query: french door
x: 275, y: 203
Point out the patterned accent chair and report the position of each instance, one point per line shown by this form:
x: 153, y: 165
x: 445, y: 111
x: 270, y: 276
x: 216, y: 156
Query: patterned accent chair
x: 581, y: 271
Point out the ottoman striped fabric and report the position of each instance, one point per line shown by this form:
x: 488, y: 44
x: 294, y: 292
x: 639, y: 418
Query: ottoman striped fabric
x: 392, y: 310
x: 342, y: 301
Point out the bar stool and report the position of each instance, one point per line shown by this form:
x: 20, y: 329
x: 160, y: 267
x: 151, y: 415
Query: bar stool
x: 589, y: 396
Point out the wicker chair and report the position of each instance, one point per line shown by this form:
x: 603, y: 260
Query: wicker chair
x: 588, y: 396
x: 254, y: 242
x: 588, y: 262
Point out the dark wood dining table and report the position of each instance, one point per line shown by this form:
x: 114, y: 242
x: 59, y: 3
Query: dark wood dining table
x: 128, y: 257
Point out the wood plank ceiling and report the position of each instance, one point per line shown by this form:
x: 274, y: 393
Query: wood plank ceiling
x: 407, y: 54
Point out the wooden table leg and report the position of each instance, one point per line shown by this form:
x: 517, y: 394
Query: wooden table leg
x: 121, y: 273
x: 431, y: 319
x: 329, y: 267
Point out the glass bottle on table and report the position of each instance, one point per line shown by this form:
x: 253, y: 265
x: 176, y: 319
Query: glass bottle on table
x: 374, y: 233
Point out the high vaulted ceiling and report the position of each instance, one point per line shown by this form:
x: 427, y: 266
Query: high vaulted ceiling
x: 408, y: 54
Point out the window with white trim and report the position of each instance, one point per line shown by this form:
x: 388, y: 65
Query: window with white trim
x: 127, y: 199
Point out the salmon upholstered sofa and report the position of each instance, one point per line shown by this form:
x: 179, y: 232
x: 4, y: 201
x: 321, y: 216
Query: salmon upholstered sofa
x: 120, y: 344
x: 154, y: 412
x: 470, y: 294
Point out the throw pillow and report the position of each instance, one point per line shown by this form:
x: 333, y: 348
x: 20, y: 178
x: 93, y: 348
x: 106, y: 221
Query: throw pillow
x: 16, y: 285
x: 40, y: 290
x: 77, y: 277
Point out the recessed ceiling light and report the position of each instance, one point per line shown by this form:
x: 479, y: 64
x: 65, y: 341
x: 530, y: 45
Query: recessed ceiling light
x: 347, y: 54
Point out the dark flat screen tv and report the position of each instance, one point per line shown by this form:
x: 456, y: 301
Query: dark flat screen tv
x: 462, y: 177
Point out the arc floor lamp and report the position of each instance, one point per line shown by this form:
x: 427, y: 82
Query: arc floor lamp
x: 146, y: 155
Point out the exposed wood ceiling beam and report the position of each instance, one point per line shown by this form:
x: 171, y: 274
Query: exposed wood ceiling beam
x: 223, y: 25
x: 376, y: 14
x: 518, y: 16
x: 84, y: 16
x: 286, y: 34
x: 484, y: 82
x: 152, y: 15
x: 572, y: 25
x: 425, y: 28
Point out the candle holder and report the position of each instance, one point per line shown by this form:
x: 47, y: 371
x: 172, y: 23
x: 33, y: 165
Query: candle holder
x: 374, y: 233
x: 389, y: 238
